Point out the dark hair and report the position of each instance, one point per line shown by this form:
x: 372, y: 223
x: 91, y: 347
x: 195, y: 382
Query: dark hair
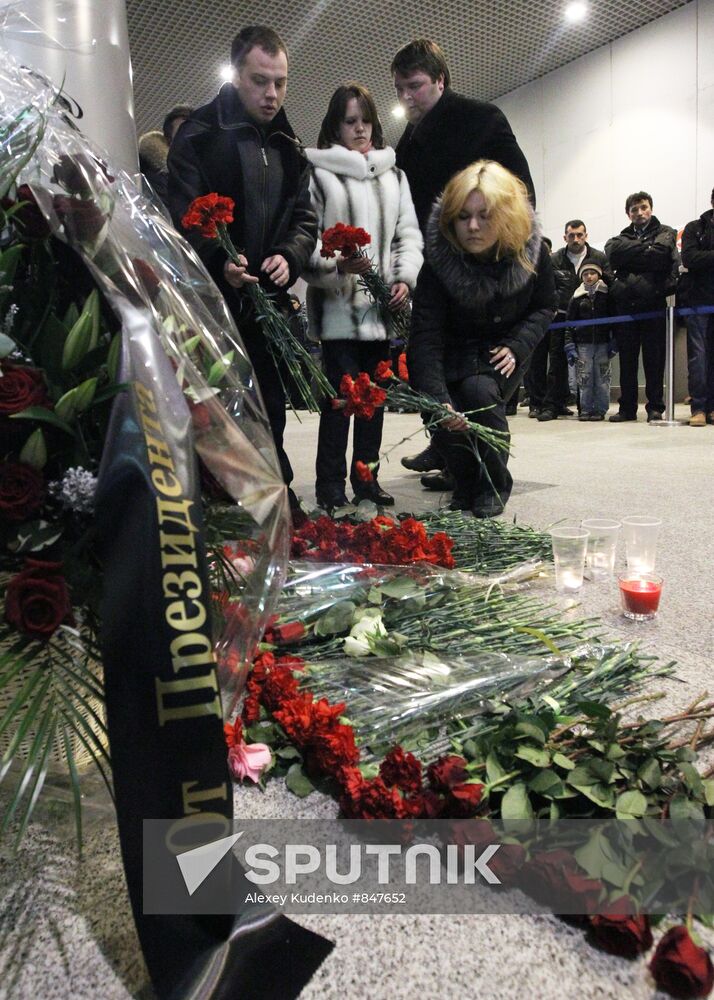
x: 548, y: 242
x: 712, y: 197
x: 337, y: 108
x: 178, y: 111
x: 256, y: 35
x: 574, y: 224
x: 425, y: 55
x: 632, y: 199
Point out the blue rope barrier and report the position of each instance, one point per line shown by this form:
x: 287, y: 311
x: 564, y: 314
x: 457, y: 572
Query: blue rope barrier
x: 631, y: 317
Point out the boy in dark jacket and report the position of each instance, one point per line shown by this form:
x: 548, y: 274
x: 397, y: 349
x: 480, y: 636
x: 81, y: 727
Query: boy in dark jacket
x: 590, y: 348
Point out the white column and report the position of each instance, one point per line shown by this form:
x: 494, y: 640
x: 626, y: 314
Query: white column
x: 83, y: 47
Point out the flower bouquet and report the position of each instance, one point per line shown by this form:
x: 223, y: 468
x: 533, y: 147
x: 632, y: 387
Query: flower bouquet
x: 210, y: 216
x: 349, y: 240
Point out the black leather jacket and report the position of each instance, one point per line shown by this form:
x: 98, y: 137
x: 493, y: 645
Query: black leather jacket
x: 221, y: 149
x: 646, y: 266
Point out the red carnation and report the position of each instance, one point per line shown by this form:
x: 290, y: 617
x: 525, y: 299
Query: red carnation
x: 446, y: 772
x: 278, y: 687
x: 363, y: 471
x: 402, y: 370
x: 619, y: 931
x: 371, y: 800
x: 343, y: 239
x: 401, y: 769
x: 233, y: 733
x: 37, y: 599
x: 383, y: 372
x: 21, y: 387
x: 22, y: 490
x: 206, y: 213
x: 680, y: 967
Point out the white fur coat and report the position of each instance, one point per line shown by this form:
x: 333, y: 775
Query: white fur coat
x: 371, y: 192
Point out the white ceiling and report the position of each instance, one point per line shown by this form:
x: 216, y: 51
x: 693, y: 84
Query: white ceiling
x: 179, y: 46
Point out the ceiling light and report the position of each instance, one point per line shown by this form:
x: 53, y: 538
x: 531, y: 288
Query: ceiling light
x: 398, y: 111
x: 576, y: 11
x: 227, y: 72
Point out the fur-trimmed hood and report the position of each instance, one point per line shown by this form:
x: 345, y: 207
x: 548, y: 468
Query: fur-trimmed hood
x: 475, y: 283
x: 153, y: 150
x: 582, y: 290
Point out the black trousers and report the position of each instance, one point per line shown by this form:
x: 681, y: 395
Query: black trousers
x: 347, y: 357
x: 648, y: 336
x: 486, y: 388
x: 271, y: 388
x: 557, y: 391
x: 536, y: 377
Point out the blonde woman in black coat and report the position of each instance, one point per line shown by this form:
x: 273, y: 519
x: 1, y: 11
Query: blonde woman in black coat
x: 484, y: 299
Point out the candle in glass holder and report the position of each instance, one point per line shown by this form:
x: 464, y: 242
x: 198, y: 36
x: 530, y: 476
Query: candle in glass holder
x: 640, y: 593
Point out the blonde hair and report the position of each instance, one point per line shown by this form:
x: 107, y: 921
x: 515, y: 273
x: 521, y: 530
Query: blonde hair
x: 506, y: 199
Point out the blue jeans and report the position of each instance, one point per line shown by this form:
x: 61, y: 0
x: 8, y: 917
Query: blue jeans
x: 700, y: 355
x: 592, y: 368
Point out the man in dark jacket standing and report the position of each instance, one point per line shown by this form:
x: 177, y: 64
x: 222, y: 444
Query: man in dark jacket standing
x: 698, y: 258
x: 241, y: 146
x: 547, y: 379
x: 445, y: 133
x: 645, y: 261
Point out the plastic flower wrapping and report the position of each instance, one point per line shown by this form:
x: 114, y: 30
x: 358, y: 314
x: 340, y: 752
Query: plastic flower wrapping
x: 153, y: 324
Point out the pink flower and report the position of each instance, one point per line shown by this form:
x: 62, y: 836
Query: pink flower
x: 247, y: 760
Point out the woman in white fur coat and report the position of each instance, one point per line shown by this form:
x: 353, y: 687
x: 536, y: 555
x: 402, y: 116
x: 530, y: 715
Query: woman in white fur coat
x: 355, y: 181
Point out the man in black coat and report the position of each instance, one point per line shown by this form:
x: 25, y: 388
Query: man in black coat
x: 646, y: 264
x: 445, y: 133
x: 241, y: 146
x: 698, y: 258
x: 547, y: 378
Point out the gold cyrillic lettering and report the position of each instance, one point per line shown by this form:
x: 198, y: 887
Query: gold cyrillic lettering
x: 159, y: 451
x: 193, y: 640
x: 203, y: 795
x: 177, y: 550
x: 185, y: 832
x: 176, y: 510
x: 165, y: 689
x: 166, y: 483
x: 188, y: 583
x: 178, y: 617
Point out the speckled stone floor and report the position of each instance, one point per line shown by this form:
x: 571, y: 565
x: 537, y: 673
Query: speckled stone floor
x: 65, y: 926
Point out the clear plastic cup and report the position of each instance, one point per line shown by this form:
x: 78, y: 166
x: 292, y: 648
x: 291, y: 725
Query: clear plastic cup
x: 641, y: 534
x: 602, y: 545
x: 569, y: 547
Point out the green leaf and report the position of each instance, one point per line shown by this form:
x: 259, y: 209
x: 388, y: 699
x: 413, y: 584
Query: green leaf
x: 692, y: 779
x: 34, y: 450
x: 593, y: 709
x: 7, y: 345
x: 601, y: 795
x: 539, y: 758
x: 650, y: 773
x: 219, y: 368
x: 708, y: 786
x: 562, y: 761
x: 602, y: 769
x: 288, y: 753
x: 532, y: 730
x: 516, y: 804
x: 494, y: 771
x: 78, y: 342
x: 682, y: 808
x: 582, y: 775
x: 630, y: 804
x: 298, y: 782
x: 546, y: 782
x: 35, y: 535
x: 615, y: 752
x: 401, y: 587
x: 44, y: 416
x: 337, y: 620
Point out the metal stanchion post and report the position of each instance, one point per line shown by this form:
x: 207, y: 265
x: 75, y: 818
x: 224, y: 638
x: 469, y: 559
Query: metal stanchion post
x: 668, y: 420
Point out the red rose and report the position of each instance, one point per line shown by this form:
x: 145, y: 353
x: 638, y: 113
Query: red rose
x: 620, y: 932
x: 81, y: 174
x: 287, y: 632
x: 680, y: 967
x: 424, y: 805
x: 554, y: 877
x: 401, y: 769
x: 446, y: 772
x: 204, y: 214
x: 82, y: 220
x: 37, y: 599
x: 28, y: 219
x: 463, y: 800
x: 21, y: 387
x: 147, y: 277
x: 22, y: 490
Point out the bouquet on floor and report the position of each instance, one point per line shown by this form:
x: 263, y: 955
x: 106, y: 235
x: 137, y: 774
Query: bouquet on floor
x: 210, y: 216
x: 349, y: 241
x: 104, y: 306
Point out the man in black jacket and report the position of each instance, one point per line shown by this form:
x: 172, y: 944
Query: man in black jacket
x: 445, y: 133
x: 241, y: 146
x: 645, y: 261
x: 698, y: 258
x: 547, y: 378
